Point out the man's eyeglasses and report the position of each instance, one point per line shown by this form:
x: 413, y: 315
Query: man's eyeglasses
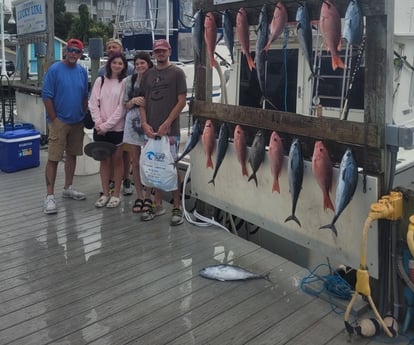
x: 73, y: 50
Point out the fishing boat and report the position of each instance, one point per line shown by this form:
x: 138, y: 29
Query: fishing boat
x: 138, y: 23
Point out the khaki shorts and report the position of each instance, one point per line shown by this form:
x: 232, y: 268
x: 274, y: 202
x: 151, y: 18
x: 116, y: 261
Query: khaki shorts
x: 64, y: 137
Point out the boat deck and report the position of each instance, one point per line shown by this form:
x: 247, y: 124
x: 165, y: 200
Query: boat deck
x: 101, y: 276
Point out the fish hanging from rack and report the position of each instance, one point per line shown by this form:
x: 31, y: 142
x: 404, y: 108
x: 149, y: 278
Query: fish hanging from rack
x: 322, y: 170
x: 304, y: 32
x: 191, y: 141
x: 243, y: 35
x: 222, y: 145
x: 276, y: 158
x: 347, y: 183
x: 330, y: 26
x: 197, y: 32
x: 228, y: 33
x: 210, y: 36
x: 240, y: 148
x: 353, y: 24
x: 209, y: 142
x: 257, y: 154
x: 277, y: 25
x: 295, y: 174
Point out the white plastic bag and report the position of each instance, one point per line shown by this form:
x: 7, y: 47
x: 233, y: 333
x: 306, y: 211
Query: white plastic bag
x: 156, y: 165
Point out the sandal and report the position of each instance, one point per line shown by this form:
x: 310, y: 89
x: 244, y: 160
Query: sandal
x: 138, y: 205
x: 147, y: 205
x: 113, y: 202
x: 102, y: 201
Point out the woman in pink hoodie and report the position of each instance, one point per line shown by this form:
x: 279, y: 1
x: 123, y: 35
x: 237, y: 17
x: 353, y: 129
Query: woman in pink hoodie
x: 107, y: 109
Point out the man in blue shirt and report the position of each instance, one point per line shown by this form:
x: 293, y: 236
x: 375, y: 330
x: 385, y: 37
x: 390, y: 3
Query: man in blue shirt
x: 65, y: 95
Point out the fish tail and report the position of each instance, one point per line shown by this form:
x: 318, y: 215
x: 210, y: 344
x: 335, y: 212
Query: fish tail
x: 330, y: 226
x: 337, y: 62
x: 244, y: 171
x: 212, y: 181
x: 293, y: 217
x: 253, y: 177
x: 276, y: 187
x: 327, y: 203
x: 267, y: 277
x: 209, y: 163
x: 212, y: 62
x: 250, y: 62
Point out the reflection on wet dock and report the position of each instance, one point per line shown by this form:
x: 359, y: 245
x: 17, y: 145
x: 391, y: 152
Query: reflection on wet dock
x: 101, y: 276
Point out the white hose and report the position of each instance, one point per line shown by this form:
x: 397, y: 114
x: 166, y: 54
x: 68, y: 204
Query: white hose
x: 205, y: 221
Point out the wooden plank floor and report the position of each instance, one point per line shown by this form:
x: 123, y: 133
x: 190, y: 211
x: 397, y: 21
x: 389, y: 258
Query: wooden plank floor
x: 101, y: 276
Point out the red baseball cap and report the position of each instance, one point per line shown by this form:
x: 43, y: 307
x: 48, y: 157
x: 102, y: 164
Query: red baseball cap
x: 161, y: 44
x: 75, y: 43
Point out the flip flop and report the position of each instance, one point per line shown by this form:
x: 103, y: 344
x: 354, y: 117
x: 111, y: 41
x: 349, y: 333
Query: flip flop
x: 147, y: 205
x: 138, y: 205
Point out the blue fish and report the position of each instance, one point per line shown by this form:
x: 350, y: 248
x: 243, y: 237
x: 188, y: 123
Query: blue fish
x: 353, y: 24
x: 304, y: 30
x: 295, y: 173
x: 228, y: 33
x: 347, y: 183
x: 222, y: 144
x: 192, y: 140
x: 257, y: 154
x: 261, y: 54
x: 198, y: 32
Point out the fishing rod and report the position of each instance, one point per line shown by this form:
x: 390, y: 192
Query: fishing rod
x: 345, y: 109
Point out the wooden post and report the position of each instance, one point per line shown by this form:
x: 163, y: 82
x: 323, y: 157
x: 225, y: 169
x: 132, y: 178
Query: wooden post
x: 50, y: 49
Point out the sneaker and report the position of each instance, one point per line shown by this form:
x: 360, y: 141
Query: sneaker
x: 177, y: 217
x: 127, y: 188
x: 49, y: 205
x: 73, y: 193
x: 153, y: 212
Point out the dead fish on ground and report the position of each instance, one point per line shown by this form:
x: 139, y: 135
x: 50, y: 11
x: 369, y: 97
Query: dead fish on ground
x: 192, y: 140
x: 295, y: 173
x: 225, y: 272
x: 347, y: 183
x: 222, y: 144
x: 257, y: 154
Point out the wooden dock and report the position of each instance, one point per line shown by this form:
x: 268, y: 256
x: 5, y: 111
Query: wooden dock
x: 101, y: 276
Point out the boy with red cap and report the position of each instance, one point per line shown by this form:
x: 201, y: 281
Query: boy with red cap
x: 65, y: 95
x: 165, y: 91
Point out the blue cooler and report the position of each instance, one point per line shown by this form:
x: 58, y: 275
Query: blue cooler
x: 19, y: 149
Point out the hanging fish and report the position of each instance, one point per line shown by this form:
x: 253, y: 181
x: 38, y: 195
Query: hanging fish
x: 228, y: 32
x: 197, y: 32
x: 192, y: 140
x: 209, y: 140
x: 353, y: 24
x: 276, y: 158
x: 304, y: 31
x: 295, y: 173
x: 260, y: 55
x: 225, y: 272
x: 278, y: 24
x: 322, y: 170
x: 257, y: 154
x: 330, y: 26
x: 223, y: 143
x: 241, y: 148
x: 243, y: 35
x: 210, y: 36
x: 347, y: 183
